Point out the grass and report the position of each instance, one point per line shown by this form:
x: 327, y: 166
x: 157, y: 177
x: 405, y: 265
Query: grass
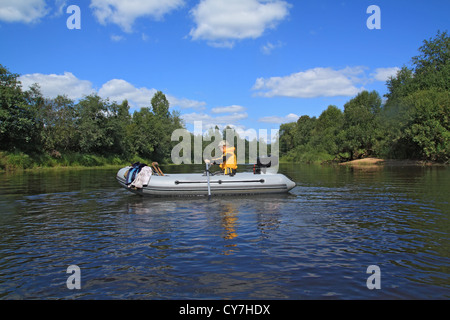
x: 19, y: 161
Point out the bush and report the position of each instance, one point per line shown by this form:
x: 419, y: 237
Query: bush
x: 307, y: 154
x: 15, y: 161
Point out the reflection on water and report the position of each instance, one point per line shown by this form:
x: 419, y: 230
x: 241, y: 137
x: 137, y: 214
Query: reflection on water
x: 314, y: 243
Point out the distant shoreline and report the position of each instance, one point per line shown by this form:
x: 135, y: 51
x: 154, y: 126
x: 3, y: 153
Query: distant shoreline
x: 359, y: 163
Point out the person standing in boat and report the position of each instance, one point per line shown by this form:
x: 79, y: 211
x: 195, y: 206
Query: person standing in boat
x: 228, y: 160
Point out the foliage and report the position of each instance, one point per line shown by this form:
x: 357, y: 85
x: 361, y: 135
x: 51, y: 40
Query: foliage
x: 359, y: 131
x: 416, y: 113
x: 413, y: 123
x: 90, y: 132
x: 17, y: 118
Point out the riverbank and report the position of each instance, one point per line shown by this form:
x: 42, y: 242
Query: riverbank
x: 377, y: 162
x: 18, y: 161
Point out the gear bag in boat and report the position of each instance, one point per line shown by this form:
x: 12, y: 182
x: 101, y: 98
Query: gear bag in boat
x: 133, y: 172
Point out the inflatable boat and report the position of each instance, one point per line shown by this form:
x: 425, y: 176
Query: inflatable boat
x: 262, y: 180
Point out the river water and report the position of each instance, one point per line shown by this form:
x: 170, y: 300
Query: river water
x: 317, y: 242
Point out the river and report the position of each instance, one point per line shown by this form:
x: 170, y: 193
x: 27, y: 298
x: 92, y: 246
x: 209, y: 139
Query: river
x: 317, y: 242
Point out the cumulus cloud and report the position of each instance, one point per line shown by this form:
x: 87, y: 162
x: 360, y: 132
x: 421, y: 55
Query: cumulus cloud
x: 185, y: 103
x: 211, y: 121
x: 25, y: 11
x: 52, y: 85
x: 221, y: 22
x: 124, y: 13
x: 383, y: 74
x: 119, y: 90
x: 279, y: 120
x: 312, y: 83
x: 219, y: 116
x: 229, y: 109
x: 68, y: 84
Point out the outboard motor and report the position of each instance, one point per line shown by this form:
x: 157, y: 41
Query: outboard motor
x: 265, y: 162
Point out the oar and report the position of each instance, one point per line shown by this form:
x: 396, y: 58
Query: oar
x: 209, y: 184
x: 155, y: 166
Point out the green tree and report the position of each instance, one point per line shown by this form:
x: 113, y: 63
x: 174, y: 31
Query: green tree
x: 400, y: 86
x: 160, y: 106
x: 17, y: 121
x: 119, y: 120
x: 304, y: 129
x: 139, y: 133
x: 148, y: 132
x: 327, y: 128
x: 428, y: 131
x: 360, y: 127
x: 36, y: 104
x: 287, y: 137
x: 59, y: 132
x: 414, y: 117
x: 96, y: 135
x: 163, y: 124
x: 432, y: 65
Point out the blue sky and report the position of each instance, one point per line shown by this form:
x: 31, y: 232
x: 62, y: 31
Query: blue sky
x: 252, y: 64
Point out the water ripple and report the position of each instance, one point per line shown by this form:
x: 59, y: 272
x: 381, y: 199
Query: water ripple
x: 316, y: 242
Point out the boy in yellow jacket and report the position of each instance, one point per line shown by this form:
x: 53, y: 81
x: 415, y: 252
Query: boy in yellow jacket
x: 228, y: 161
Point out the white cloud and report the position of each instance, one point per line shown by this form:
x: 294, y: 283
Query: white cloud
x: 383, y: 74
x: 119, y: 90
x: 229, y: 109
x: 53, y: 85
x: 279, y: 120
x: 25, y: 11
x: 221, y: 22
x: 60, y: 6
x: 185, y: 103
x: 221, y: 117
x: 211, y: 121
x: 316, y: 82
x: 269, y: 47
x: 124, y: 13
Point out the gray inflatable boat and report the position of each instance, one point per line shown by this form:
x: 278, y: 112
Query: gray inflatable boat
x: 260, y: 181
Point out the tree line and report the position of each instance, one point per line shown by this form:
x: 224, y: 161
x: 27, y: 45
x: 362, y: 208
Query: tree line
x: 411, y: 123
x: 35, y: 130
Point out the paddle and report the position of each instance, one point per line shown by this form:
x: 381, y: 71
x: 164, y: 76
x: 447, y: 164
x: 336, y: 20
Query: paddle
x: 207, y: 175
x: 158, y: 170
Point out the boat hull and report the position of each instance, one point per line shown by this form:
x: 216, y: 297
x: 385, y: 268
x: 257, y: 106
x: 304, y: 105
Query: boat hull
x: 193, y: 184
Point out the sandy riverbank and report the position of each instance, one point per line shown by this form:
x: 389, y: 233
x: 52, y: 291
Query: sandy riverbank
x: 373, y: 162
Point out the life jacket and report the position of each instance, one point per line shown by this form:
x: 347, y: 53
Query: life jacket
x: 229, y: 159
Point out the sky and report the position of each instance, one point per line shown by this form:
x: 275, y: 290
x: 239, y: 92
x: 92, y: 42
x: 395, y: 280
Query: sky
x: 250, y: 64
